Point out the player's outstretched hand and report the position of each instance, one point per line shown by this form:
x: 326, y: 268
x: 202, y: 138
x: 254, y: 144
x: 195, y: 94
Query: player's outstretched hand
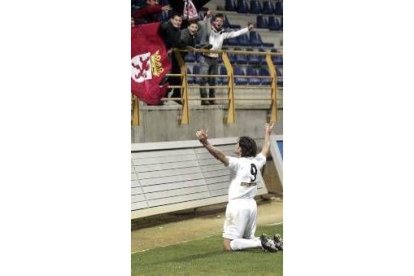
x: 202, y: 136
x: 268, y: 128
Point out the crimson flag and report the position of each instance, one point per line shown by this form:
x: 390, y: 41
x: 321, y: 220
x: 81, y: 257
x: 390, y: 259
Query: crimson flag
x: 149, y: 62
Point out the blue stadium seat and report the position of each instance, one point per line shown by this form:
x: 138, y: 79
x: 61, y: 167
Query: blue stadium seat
x: 278, y: 8
x: 190, y: 57
x: 262, y: 58
x: 223, y: 72
x: 277, y: 60
x: 261, y: 22
x: 242, y: 6
x: 252, y: 72
x: 240, y: 58
x: 267, y: 8
x: 227, y: 24
x: 274, y: 23
x: 255, y: 7
x: 264, y: 72
x: 232, y: 41
x: 239, y: 80
x: 244, y: 40
x: 252, y: 59
x: 255, y: 39
x: 279, y: 77
x: 268, y: 44
x: 197, y: 56
x: 232, y: 58
x: 278, y: 72
x: 230, y: 5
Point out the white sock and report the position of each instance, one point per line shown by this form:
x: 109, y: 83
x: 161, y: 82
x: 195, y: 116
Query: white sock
x: 240, y: 244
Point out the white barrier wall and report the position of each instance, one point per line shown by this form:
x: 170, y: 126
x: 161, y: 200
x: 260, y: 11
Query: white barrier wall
x: 172, y: 176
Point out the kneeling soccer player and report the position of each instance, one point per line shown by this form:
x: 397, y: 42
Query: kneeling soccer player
x: 241, y: 211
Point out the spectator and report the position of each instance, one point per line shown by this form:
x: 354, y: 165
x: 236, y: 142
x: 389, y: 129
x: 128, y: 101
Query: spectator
x: 171, y: 34
x: 188, y: 35
x: 149, y: 13
x: 170, y: 31
x: 215, y: 36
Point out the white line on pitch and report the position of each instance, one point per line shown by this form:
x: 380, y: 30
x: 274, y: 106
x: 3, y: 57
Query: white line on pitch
x: 276, y: 223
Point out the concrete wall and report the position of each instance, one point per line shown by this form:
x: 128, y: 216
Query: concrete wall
x: 162, y: 123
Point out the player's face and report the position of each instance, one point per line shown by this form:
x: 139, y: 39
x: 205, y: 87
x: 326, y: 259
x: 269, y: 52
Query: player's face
x: 176, y: 21
x: 237, y: 150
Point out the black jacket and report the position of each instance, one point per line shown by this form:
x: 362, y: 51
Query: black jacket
x: 170, y: 35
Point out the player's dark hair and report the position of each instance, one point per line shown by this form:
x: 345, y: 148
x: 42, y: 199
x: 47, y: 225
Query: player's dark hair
x: 248, y: 146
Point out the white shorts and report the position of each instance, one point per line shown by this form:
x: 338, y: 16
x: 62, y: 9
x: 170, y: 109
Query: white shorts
x: 240, y: 220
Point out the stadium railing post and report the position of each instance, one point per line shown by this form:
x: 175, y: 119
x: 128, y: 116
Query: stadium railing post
x: 231, y: 114
x: 135, y: 111
x: 185, y: 115
x: 273, y: 88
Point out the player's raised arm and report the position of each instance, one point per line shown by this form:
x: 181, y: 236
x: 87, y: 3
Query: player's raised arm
x: 266, y: 144
x: 218, y: 154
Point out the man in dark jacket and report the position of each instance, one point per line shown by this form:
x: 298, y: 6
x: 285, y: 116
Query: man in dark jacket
x: 170, y: 33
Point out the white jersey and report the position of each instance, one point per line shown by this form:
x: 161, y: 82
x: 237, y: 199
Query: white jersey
x: 244, y: 174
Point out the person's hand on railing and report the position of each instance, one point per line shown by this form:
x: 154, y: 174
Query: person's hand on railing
x: 206, y: 46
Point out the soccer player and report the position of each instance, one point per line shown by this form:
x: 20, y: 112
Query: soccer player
x: 241, y: 210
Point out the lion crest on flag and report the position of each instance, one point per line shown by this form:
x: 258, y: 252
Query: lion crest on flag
x: 149, y: 63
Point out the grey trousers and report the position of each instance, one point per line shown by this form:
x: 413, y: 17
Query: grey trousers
x: 208, y: 66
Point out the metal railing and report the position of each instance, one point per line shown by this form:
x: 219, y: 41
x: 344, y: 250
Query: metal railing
x: 231, y: 86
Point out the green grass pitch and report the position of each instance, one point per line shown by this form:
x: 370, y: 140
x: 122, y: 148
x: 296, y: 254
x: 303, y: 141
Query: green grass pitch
x: 206, y: 257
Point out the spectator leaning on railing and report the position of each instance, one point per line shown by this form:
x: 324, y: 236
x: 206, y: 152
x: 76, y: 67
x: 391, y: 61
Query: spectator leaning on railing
x: 170, y: 32
x: 214, y: 35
